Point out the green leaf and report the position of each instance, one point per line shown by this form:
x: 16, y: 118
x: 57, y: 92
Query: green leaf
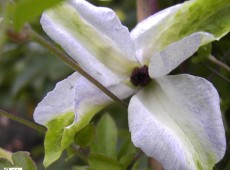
x: 26, y: 10
x: 102, y: 162
x: 127, y: 147
x: 202, y: 54
x: 127, y: 150
x: 19, y: 159
x: 85, y: 136
x: 80, y: 168
x: 106, y: 137
x: 22, y: 159
x: 71, y: 152
x: 4, y: 163
x: 127, y: 159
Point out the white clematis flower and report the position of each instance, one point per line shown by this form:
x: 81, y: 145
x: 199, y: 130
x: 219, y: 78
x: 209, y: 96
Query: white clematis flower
x: 176, y: 119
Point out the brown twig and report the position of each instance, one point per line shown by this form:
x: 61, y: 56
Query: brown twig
x: 146, y: 8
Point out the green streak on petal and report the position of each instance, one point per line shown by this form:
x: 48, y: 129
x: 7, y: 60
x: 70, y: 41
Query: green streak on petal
x: 54, y: 136
x: 210, y: 160
x: 194, y: 16
x: 70, y: 131
x: 61, y: 132
x: 96, y: 43
x: 170, y: 106
x: 208, y: 16
x: 198, y: 165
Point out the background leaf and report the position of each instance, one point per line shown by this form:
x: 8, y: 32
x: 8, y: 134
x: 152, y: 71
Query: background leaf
x: 202, y: 54
x: 106, y: 137
x: 21, y: 160
x: 101, y: 162
x: 85, y: 136
x: 4, y: 163
x: 26, y: 10
x: 80, y: 168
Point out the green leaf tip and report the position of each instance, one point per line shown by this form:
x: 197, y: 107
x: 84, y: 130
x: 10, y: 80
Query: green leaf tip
x: 26, y: 10
x: 54, y: 135
x: 61, y: 132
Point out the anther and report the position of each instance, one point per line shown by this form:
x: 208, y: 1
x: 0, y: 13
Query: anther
x: 140, y: 76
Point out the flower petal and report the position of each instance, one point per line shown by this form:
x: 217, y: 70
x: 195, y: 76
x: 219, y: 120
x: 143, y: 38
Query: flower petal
x: 172, y: 24
x: 57, y: 102
x: 177, y: 120
x: 165, y: 61
x: 93, y: 36
x: 88, y: 97
x: 89, y: 100
x: 74, y: 95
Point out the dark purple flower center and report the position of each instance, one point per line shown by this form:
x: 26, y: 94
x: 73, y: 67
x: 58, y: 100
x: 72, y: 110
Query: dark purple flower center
x: 140, y: 76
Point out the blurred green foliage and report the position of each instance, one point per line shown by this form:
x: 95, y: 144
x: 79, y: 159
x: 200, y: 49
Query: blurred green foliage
x: 28, y: 72
x: 19, y: 159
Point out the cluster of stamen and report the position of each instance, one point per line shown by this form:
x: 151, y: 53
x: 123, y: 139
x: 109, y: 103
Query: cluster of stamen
x: 140, y: 76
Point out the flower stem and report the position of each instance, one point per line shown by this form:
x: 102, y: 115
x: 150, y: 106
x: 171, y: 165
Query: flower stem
x: 80, y: 152
x: 219, y: 63
x: 72, y: 63
x: 216, y: 73
x: 138, y: 155
x: 23, y: 121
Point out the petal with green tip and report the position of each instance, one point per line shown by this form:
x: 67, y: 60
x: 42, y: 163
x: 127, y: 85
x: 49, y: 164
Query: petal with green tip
x: 93, y: 36
x: 57, y: 102
x: 86, y: 100
x: 172, y: 24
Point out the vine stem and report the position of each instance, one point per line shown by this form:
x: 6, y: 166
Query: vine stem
x: 216, y: 73
x: 72, y: 63
x: 138, y: 155
x: 219, y: 63
x: 145, y: 8
x: 23, y: 121
x: 42, y: 129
